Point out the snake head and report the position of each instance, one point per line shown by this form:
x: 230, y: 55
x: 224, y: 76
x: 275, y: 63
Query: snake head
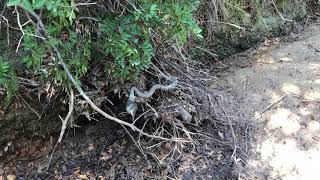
x: 132, y: 108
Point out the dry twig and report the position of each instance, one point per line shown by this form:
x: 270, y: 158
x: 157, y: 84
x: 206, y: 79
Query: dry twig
x: 66, y: 120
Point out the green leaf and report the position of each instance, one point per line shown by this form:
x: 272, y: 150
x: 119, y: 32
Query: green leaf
x: 13, y: 2
x: 38, y: 4
x: 27, y: 5
x: 71, y: 16
x: 50, y: 6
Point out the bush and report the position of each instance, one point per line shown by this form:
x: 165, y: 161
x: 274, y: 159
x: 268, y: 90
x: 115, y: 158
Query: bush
x: 125, y: 37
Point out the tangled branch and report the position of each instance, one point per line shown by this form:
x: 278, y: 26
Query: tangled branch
x: 84, y: 95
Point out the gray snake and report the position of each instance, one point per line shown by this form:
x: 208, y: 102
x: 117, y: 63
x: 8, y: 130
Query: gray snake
x: 132, y: 106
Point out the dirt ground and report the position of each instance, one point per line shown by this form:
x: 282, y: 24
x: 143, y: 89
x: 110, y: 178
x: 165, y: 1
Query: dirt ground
x: 277, y: 88
x: 269, y: 95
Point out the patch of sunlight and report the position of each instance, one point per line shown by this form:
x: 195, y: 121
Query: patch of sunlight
x: 288, y: 161
x: 286, y: 59
x: 284, y: 152
x: 274, y: 97
x: 266, y: 149
x: 304, y: 111
x: 267, y: 60
x: 317, y: 81
x: 253, y: 163
x: 314, y: 66
x: 309, y: 169
x: 279, y: 154
x: 290, y: 88
x: 282, y: 54
x: 312, y: 95
x: 286, y: 120
x: 313, y: 126
x: 290, y: 177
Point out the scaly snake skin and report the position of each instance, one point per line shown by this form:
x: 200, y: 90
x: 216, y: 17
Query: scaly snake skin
x: 132, y: 106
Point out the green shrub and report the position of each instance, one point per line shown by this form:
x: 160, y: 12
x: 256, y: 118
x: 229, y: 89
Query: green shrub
x: 127, y: 37
x: 8, y: 79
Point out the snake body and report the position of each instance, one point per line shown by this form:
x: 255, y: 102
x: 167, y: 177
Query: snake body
x: 132, y: 106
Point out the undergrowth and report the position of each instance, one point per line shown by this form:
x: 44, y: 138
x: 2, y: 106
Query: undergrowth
x: 127, y: 37
x: 233, y: 26
x: 128, y: 34
x: 7, y: 78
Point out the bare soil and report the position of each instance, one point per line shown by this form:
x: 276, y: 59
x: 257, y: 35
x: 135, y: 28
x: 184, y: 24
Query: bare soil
x: 277, y: 88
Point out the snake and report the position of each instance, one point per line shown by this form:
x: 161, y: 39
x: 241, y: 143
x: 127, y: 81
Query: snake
x: 132, y: 106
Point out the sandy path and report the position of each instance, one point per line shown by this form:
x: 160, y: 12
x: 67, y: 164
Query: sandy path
x: 284, y: 84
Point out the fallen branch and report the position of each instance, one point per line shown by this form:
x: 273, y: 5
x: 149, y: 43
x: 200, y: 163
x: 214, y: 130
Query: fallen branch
x: 66, y: 120
x: 259, y: 114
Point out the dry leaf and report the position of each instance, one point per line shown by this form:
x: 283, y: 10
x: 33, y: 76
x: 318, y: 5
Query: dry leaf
x: 76, y: 172
x: 104, y: 156
x: 91, y: 147
x: 11, y: 177
x: 221, y: 135
x: 101, y: 178
x: 147, y: 173
x: 84, y: 177
x: 197, y: 157
x: 168, y: 145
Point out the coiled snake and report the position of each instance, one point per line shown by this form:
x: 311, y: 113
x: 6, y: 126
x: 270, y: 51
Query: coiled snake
x: 132, y: 106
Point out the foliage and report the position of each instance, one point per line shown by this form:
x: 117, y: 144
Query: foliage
x: 129, y: 44
x: 127, y: 38
x: 7, y: 78
x: 75, y: 50
x: 63, y: 9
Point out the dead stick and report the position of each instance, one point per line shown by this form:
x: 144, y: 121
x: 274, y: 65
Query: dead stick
x: 66, y: 120
x: 270, y: 106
